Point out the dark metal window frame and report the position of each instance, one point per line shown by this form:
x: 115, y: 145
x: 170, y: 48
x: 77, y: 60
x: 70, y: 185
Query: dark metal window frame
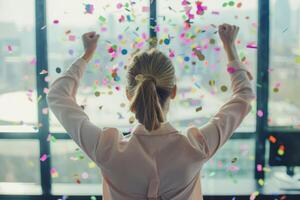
x: 42, y: 63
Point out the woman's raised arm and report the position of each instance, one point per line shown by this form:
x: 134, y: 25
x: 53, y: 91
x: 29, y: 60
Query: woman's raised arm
x: 61, y: 100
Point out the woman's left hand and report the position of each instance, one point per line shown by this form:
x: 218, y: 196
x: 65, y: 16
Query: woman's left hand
x: 89, y: 40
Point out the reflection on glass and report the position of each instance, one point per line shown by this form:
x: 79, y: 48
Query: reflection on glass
x: 202, y: 77
x: 123, y: 28
x: 26, y: 155
x: 17, y: 66
x: 284, y: 71
x: 72, y: 168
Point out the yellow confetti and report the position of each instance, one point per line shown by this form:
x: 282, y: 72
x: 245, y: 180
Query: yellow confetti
x: 261, y: 182
x: 92, y: 165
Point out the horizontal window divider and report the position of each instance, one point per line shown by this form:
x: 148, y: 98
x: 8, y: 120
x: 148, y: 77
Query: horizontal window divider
x: 19, y: 135
x: 284, y: 130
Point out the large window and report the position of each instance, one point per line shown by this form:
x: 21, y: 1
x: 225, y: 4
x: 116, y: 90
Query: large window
x: 284, y: 105
x: 18, y: 98
x: 37, y: 157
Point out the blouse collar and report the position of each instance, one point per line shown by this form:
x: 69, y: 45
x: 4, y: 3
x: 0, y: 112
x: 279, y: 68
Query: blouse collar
x: 165, y: 128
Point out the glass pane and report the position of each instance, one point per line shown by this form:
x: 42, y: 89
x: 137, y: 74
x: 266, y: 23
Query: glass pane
x: 202, y: 80
x: 18, y: 101
x: 284, y: 105
x: 123, y: 26
x: 232, y: 167
x: 13, y: 178
x: 72, y: 169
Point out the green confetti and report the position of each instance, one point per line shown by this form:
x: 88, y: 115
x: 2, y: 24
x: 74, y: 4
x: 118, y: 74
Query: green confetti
x: 102, y: 19
x: 297, y: 59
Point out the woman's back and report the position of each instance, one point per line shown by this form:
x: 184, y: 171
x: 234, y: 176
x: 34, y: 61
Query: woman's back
x: 161, y: 164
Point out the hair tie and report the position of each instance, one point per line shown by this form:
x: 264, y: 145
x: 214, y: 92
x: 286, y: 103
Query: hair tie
x: 142, y: 78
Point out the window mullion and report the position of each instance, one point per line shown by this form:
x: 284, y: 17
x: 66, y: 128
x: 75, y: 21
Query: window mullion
x: 262, y: 86
x: 43, y: 119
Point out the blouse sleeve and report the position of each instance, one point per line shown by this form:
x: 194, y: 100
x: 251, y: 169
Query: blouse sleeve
x: 61, y: 100
x: 210, y: 137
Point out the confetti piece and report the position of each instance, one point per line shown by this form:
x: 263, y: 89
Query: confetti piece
x: 72, y: 38
x: 239, y: 5
x: 54, y: 173
x: 33, y: 61
x: 124, y: 51
x: 259, y: 167
x: 97, y: 93
x: 272, y: 139
x: 145, y: 9
x: 212, y: 174
x: 215, y: 12
x: 58, y: 70
x: 260, y: 113
x: 89, y: 8
x: 93, y: 198
x: 9, y: 48
x: 45, y: 111
x: 44, y: 71
x: 102, y: 19
x: 251, y: 46
x: 212, y: 82
x: 56, y: 21
x: 84, y: 175
x: 281, y: 150
x: 254, y: 195
x: 233, y: 168
x: 234, y: 160
x: 199, y: 54
x: 199, y: 109
x: 297, y: 59
x: 261, y: 182
x: 91, y: 165
x: 43, y: 157
x: 231, y: 70
x: 224, y: 88
x: 119, y: 5
x: 131, y: 119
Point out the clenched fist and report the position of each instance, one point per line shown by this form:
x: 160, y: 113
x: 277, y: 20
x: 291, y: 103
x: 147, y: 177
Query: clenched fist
x: 90, y: 44
x: 228, y: 34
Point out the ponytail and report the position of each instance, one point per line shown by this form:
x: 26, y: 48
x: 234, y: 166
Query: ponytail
x: 146, y: 105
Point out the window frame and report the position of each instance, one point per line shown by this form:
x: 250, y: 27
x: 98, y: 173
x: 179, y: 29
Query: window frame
x: 42, y: 64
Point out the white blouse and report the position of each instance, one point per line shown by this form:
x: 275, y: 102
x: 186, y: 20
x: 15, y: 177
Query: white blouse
x: 161, y: 164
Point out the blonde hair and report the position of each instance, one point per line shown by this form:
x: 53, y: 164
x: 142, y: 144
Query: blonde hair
x: 150, y: 79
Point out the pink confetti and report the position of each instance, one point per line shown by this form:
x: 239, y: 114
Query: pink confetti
x: 44, y: 72
x: 45, y: 111
x: 121, y: 19
x: 119, y: 5
x: 56, y: 21
x: 9, y: 48
x: 46, y: 90
x: 259, y: 167
x: 231, y: 70
x: 53, y: 170
x: 145, y: 9
x: 251, y: 46
x: 43, y: 157
x: 72, y: 38
x: 157, y: 28
x: 33, y: 61
x: 233, y: 168
x: 260, y: 113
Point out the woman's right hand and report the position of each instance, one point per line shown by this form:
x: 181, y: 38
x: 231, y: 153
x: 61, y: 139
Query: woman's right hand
x: 228, y: 35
